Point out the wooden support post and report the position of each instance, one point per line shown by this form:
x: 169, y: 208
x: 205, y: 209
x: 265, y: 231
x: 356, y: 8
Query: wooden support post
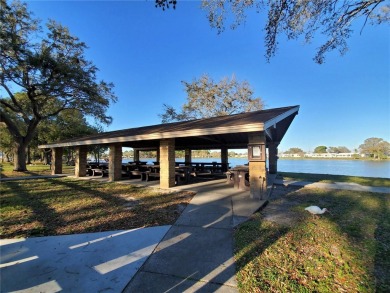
x: 135, y: 155
x: 273, y: 157
x: 257, y: 167
x: 224, y: 159
x: 80, y: 169
x: 187, y: 157
x: 115, y: 162
x: 167, y: 163
x: 56, y: 160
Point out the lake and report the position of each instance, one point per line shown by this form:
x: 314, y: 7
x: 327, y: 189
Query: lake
x: 335, y: 167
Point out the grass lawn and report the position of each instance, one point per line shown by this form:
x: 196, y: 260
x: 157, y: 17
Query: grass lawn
x: 6, y: 170
x: 42, y: 207
x: 348, y: 251
x: 368, y: 181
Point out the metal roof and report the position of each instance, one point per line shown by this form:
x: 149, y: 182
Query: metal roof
x: 224, y: 131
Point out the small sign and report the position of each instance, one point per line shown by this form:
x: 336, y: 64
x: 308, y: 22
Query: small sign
x: 256, y: 152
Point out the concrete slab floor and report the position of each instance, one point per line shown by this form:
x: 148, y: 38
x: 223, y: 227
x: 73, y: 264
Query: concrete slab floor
x: 196, y: 255
x: 91, y: 262
x: 189, y: 259
x: 165, y: 283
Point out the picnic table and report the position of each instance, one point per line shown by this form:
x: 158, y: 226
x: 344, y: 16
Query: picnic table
x: 184, y: 173
x: 94, y: 169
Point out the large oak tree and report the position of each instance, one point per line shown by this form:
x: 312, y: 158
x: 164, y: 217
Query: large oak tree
x: 50, y: 71
x: 333, y: 19
x: 375, y: 147
x: 207, y: 98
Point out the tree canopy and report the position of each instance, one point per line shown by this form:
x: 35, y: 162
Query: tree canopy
x: 333, y: 19
x: 206, y: 98
x: 320, y: 149
x: 375, y: 147
x: 50, y: 72
x: 294, y: 150
x: 338, y: 150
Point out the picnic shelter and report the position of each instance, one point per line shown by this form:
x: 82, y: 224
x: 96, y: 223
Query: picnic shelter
x: 259, y: 131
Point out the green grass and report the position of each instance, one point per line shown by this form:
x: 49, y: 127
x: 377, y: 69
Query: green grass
x: 43, y: 207
x: 6, y: 170
x: 345, y: 252
x: 368, y: 181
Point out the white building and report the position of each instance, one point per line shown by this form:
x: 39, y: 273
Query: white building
x: 331, y: 155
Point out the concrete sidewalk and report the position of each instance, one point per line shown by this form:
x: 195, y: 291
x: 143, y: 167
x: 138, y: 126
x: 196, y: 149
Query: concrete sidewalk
x: 335, y: 186
x: 197, y: 252
x: 92, y: 262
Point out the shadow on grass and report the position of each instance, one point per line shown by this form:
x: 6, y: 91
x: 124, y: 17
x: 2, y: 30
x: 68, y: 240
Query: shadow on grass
x: 49, y: 221
x: 362, y: 218
x: 107, y: 212
x: 365, y: 219
x: 382, y: 253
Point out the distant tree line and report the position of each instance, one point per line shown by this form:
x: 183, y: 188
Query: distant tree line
x: 129, y: 154
x: 376, y: 148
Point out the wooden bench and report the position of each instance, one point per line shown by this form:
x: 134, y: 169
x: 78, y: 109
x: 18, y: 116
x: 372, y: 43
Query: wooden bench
x: 201, y: 173
x: 180, y: 176
x: 98, y: 171
x: 148, y: 176
x: 135, y: 173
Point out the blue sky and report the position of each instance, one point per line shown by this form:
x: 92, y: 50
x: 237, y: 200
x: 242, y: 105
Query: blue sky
x: 147, y: 52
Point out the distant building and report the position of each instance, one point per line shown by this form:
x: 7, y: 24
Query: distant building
x: 331, y: 155
x: 290, y: 155
x: 321, y: 155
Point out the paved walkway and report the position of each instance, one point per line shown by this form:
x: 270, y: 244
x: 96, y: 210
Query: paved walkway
x: 336, y: 185
x: 92, y: 262
x: 197, y: 252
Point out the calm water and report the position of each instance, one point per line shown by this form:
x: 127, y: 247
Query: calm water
x: 335, y: 167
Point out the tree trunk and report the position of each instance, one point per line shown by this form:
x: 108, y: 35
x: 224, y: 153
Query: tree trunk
x: 28, y: 155
x: 20, y: 156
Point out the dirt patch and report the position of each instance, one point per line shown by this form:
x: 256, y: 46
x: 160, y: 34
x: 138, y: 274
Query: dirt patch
x: 280, y: 207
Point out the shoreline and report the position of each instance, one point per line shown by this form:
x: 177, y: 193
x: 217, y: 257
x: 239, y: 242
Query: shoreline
x: 292, y: 159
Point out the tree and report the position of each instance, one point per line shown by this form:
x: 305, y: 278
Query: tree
x: 320, y: 149
x: 205, y: 98
x: 6, y: 143
x: 67, y: 124
x: 332, y: 18
x: 51, y: 72
x: 375, y: 147
x: 338, y: 150
x: 294, y: 151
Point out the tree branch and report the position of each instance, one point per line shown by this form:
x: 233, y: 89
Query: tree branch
x: 12, y: 128
x: 11, y: 95
x: 32, y: 126
x: 368, y: 15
